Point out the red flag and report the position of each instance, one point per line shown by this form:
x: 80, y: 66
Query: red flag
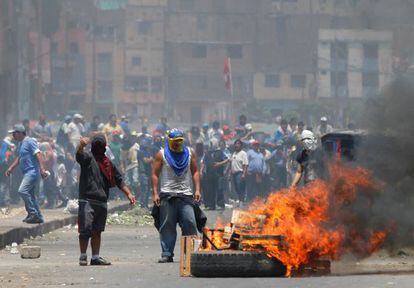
x: 227, y: 74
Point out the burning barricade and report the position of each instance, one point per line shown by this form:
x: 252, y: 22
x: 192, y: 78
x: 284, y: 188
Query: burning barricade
x: 295, y: 231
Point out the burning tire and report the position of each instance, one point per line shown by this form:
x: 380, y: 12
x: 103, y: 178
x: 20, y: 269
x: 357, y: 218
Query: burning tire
x: 235, y: 264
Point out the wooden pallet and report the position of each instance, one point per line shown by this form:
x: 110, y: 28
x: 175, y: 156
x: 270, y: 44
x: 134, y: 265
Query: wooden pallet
x: 187, y: 247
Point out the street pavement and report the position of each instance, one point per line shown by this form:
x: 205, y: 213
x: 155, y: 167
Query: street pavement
x: 134, y: 252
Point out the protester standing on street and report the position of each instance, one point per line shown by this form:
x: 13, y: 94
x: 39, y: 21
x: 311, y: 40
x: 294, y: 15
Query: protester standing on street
x: 43, y: 130
x: 310, y: 160
x: 31, y: 164
x: 145, y: 157
x: 175, y: 171
x: 323, y: 128
x: 205, y: 136
x: 215, y: 162
x: 49, y: 184
x: 111, y: 127
x: 76, y: 129
x: 255, y: 171
x: 238, y: 169
x: 97, y: 176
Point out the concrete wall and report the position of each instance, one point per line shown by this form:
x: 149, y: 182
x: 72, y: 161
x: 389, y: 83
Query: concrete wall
x: 285, y: 89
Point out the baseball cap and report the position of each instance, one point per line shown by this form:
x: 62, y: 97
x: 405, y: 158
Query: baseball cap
x: 254, y: 142
x: 77, y: 116
x: 18, y: 128
x: 324, y: 119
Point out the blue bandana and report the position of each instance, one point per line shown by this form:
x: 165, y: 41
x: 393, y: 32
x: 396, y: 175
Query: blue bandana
x: 177, y: 160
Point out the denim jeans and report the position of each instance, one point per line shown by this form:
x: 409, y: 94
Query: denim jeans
x: 239, y: 186
x: 172, y: 211
x: 254, y: 188
x: 145, y: 184
x: 27, y: 193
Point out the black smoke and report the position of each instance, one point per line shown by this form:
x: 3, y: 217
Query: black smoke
x: 387, y: 149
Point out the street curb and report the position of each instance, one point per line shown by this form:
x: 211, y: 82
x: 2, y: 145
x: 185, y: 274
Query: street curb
x: 20, y: 233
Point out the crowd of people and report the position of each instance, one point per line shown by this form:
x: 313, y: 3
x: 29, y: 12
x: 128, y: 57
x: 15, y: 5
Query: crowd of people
x: 235, y: 164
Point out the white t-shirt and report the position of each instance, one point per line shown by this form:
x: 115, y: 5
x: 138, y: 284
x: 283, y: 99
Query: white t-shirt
x: 75, y: 132
x: 238, y: 160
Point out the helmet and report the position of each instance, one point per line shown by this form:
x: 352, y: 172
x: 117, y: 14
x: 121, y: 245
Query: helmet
x: 308, y: 140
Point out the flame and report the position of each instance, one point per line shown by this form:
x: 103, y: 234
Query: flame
x: 316, y: 220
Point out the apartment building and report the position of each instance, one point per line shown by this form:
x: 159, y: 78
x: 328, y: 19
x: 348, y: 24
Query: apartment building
x: 200, y: 35
x: 143, y: 75
x: 353, y: 63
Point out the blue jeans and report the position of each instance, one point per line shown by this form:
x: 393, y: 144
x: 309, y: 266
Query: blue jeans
x: 172, y: 211
x: 239, y: 186
x: 145, y: 183
x: 27, y: 193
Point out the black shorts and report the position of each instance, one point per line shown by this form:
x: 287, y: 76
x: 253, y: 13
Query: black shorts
x: 91, y: 218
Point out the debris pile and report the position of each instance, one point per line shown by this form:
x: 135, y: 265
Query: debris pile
x: 137, y: 215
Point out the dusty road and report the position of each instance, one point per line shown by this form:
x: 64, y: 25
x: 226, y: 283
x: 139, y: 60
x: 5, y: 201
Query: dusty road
x: 134, y: 252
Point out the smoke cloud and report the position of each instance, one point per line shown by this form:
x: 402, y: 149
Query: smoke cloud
x: 388, y: 152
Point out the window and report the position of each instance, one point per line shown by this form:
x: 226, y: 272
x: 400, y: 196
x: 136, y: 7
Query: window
x: 370, y: 83
x: 370, y: 79
x: 104, y: 66
x: 339, y: 56
x: 144, y: 27
x: 199, y: 51
x: 105, y: 32
x: 371, y: 51
x: 298, y: 81
x: 105, y: 90
x: 272, y: 80
x: 339, y: 50
x: 201, y: 22
x: 156, y: 84
x: 54, y: 48
x: 281, y: 29
x: 136, y: 61
x: 235, y: 51
x: 186, y: 5
x: 339, y: 79
x: 74, y: 48
x: 135, y: 83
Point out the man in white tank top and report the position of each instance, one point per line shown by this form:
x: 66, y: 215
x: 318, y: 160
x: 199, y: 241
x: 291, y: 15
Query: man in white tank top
x: 174, y: 174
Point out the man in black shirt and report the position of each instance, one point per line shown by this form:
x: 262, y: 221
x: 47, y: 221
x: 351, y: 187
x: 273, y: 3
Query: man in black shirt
x: 215, y: 162
x: 97, y: 176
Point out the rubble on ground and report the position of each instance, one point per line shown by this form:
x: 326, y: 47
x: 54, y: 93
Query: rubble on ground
x: 137, y: 215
